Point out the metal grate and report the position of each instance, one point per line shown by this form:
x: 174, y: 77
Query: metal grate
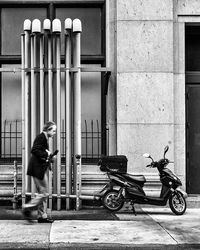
x: 11, y: 141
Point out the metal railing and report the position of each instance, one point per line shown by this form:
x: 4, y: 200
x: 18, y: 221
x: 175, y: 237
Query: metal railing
x: 11, y: 141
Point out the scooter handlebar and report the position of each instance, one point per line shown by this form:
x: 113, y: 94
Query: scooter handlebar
x: 162, y: 162
x: 148, y: 166
x: 152, y: 165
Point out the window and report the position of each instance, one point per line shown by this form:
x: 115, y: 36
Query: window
x: 192, y: 42
x: 92, y: 55
x: 12, y: 20
x: 91, y: 26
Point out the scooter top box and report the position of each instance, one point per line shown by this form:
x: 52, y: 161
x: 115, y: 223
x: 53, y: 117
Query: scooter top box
x: 115, y: 163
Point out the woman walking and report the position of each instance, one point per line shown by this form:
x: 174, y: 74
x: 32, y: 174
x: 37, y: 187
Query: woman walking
x: 37, y: 168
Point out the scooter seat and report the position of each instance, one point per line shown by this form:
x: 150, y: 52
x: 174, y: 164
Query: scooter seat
x: 137, y: 178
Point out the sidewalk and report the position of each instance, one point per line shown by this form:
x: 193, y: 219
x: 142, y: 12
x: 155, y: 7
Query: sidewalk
x: 152, y: 228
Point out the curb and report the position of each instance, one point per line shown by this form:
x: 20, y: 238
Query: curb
x: 105, y: 246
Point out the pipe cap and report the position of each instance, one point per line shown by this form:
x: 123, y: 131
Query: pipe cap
x: 27, y: 24
x: 68, y: 24
x: 36, y: 26
x: 77, y: 27
x: 46, y: 24
x: 56, y: 25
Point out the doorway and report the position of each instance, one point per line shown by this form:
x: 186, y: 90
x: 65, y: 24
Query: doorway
x: 192, y: 60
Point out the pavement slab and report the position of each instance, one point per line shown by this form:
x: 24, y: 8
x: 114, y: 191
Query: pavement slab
x: 184, y: 229
x: 15, y: 233
x: 112, y: 232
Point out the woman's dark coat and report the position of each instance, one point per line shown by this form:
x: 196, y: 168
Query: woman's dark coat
x: 38, y: 163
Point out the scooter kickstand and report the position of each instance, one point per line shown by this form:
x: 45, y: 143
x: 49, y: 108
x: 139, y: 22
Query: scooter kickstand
x: 133, y: 209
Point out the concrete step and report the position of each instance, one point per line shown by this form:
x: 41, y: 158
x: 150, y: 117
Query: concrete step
x: 193, y: 200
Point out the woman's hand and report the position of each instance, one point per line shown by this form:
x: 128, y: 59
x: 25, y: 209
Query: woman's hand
x: 49, y: 153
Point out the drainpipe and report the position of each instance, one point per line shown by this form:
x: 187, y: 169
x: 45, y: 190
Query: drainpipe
x: 47, y: 28
x: 23, y: 117
x: 25, y: 110
x: 68, y: 110
x: 41, y: 82
x: 77, y: 29
x: 56, y: 28
x: 36, y: 30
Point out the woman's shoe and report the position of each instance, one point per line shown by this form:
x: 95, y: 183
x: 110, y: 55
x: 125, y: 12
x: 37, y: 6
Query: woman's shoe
x: 46, y: 220
x: 27, y: 215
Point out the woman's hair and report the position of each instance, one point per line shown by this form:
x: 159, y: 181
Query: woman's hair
x: 48, y: 126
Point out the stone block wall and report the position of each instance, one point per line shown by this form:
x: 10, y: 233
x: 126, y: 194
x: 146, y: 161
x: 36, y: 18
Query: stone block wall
x: 145, y: 90
x: 146, y: 100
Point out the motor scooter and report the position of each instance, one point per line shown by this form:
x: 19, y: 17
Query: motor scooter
x: 124, y: 187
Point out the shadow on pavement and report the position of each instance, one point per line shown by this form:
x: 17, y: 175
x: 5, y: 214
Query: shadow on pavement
x: 7, y: 213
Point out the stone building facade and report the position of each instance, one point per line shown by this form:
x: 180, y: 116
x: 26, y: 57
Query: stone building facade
x: 151, y: 48
x: 147, y: 54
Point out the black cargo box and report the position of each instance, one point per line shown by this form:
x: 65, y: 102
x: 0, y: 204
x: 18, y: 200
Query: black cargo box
x: 115, y: 163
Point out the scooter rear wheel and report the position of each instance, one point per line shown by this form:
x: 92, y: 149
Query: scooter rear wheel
x: 111, y: 201
x: 177, y: 203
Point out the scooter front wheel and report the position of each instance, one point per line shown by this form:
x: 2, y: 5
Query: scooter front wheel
x: 177, y: 203
x: 111, y: 201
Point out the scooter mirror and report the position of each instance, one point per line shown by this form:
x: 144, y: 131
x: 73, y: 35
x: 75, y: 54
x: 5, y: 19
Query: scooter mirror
x: 165, y: 150
x: 146, y: 155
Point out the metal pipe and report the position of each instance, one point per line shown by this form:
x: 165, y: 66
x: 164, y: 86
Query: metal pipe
x: 33, y: 102
x: 15, y: 186
x: 68, y: 115
x: 82, y: 197
x: 107, y: 33
x: 86, y: 139
x: 53, y: 37
x: 62, y: 69
x: 23, y: 117
x: 56, y: 28
x: 50, y: 106
x: 77, y: 28
x: 47, y: 28
x: 26, y: 179
x: 10, y: 135
x: 41, y: 82
x: 16, y: 130
x: 36, y: 29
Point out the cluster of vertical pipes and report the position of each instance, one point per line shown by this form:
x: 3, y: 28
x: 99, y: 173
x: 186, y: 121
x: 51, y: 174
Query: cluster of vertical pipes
x: 41, y: 101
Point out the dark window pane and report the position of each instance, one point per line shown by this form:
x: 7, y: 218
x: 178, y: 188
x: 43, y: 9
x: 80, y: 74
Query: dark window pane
x: 11, y: 113
x: 90, y: 95
x: 11, y: 94
x: 12, y: 20
x: 91, y: 112
x: 192, y: 48
x: 91, y: 27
